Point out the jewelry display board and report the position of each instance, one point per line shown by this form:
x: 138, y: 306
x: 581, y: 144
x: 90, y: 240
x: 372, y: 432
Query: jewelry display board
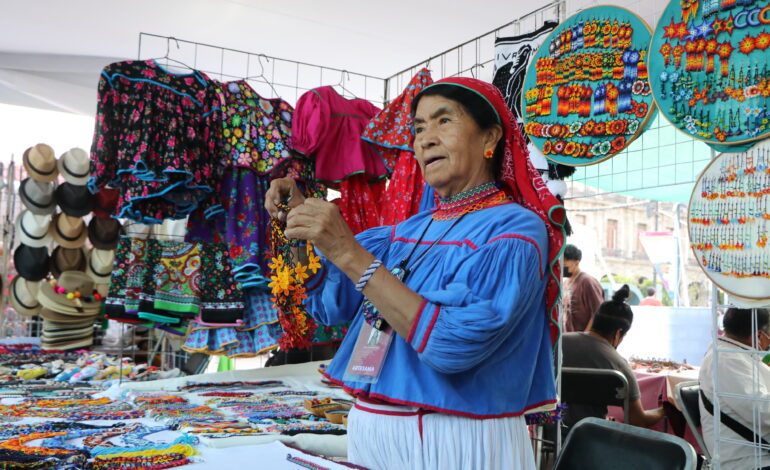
x: 586, y: 95
x: 709, y: 70
x: 729, y: 220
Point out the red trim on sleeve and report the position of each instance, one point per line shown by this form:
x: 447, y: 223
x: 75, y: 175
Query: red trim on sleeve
x: 416, y: 320
x: 316, y: 280
x: 428, y: 330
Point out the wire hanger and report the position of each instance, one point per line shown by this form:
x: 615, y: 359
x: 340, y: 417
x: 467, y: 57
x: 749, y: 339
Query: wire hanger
x: 261, y: 75
x: 341, y: 84
x: 168, y: 51
x: 478, y: 64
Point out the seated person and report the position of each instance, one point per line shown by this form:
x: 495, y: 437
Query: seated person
x: 740, y: 373
x: 596, y: 349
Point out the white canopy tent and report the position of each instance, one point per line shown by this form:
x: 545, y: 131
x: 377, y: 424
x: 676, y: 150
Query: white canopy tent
x: 51, y: 52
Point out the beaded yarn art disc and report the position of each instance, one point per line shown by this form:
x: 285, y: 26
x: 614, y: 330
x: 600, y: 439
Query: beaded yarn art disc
x: 729, y: 220
x: 709, y: 70
x: 586, y: 96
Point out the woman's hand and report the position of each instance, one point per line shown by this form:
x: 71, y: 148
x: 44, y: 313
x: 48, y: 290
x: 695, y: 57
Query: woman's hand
x: 321, y: 223
x: 282, y: 189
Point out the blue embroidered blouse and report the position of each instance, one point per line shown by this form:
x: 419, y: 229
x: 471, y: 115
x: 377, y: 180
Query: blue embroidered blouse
x: 480, y: 345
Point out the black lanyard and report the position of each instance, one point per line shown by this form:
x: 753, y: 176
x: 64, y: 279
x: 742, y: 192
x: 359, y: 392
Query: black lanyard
x: 401, y: 271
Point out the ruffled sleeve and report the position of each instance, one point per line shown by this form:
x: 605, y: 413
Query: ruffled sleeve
x: 104, y: 146
x: 332, y: 298
x: 482, y: 305
x: 309, y: 123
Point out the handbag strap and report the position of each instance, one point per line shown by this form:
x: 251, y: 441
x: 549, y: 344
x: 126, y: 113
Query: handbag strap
x: 731, y: 423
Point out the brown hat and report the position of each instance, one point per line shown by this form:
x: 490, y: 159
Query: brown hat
x: 40, y: 163
x: 104, y: 233
x: 68, y: 231
x: 23, y: 296
x: 54, y: 296
x: 67, y: 259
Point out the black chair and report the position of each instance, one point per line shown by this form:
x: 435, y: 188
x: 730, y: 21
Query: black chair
x: 598, y: 387
x: 687, y: 397
x: 598, y: 444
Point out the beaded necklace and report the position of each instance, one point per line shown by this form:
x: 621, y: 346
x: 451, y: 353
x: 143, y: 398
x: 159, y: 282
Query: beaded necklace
x: 304, y: 463
x: 474, y: 199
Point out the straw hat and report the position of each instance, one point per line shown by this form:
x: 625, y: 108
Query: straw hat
x: 75, y: 201
x: 75, y: 166
x: 72, y: 294
x: 106, y: 200
x: 56, y: 317
x: 33, y: 229
x: 23, y: 296
x: 99, y: 266
x: 31, y: 262
x: 104, y: 233
x: 37, y: 196
x: 67, y: 259
x: 69, y: 232
x: 40, y: 163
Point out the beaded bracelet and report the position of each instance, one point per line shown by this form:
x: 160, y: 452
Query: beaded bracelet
x: 368, y: 274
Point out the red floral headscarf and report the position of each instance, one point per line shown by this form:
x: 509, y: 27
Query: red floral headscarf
x: 524, y: 184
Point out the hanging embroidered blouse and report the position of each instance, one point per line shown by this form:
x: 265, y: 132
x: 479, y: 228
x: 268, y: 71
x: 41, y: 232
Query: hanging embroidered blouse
x: 328, y: 127
x: 256, y: 132
x: 392, y: 132
x: 153, y: 140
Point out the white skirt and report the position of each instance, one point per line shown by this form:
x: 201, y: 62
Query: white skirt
x: 388, y: 437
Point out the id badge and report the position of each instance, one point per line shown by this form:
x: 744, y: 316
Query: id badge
x: 369, y: 354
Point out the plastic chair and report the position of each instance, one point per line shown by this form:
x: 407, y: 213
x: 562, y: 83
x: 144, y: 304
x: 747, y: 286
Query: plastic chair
x: 687, y: 398
x: 598, y: 444
x: 600, y: 387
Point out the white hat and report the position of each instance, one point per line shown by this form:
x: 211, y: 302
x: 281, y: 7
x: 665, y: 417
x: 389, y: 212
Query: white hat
x: 99, y: 266
x: 23, y: 296
x: 33, y: 229
x: 75, y: 166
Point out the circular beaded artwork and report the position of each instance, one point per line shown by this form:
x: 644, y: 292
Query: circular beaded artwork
x: 709, y: 70
x: 586, y: 95
x: 729, y: 219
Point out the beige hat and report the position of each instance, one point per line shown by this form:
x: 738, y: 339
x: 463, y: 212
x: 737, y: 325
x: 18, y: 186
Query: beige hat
x: 72, y: 282
x: 75, y: 166
x: 33, y: 229
x: 50, y: 315
x: 23, y: 296
x: 68, y: 231
x: 99, y: 265
x: 40, y: 163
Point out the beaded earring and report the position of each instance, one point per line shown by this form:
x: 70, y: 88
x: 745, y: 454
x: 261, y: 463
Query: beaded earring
x: 489, y: 153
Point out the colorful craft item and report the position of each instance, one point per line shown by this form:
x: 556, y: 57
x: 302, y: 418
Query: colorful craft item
x: 288, y: 278
x: 729, y: 220
x: 586, y: 97
x: 724, y: 105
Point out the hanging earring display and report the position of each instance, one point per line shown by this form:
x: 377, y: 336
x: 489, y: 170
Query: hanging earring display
x: 729, y: 221
x: 586, y: 96
x: 709, y: 70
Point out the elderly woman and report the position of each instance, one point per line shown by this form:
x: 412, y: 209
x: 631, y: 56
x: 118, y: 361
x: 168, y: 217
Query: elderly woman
x: 449, y: 343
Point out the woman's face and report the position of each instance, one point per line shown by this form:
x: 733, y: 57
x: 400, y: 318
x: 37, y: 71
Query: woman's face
x: 450, y: 146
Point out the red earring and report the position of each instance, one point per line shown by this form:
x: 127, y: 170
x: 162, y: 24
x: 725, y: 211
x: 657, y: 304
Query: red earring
x: 489, y: 153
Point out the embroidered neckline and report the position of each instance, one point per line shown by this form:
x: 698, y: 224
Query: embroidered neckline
x: 474, y: 199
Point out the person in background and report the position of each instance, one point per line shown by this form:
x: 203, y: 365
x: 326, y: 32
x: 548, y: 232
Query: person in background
x: 597, y: 349
x: 741, y: 372
x: 650, y: 300
x: 583, y: 293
